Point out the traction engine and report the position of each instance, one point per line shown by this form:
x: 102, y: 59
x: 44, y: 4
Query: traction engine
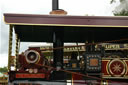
x: 32, y: 65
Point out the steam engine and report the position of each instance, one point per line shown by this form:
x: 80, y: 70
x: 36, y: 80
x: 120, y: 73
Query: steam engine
x: 32, y: 59
x: 31, y: 65
x: 107, y: 64
x: 102, y: 63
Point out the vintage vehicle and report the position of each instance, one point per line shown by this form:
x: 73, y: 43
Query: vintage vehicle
x: 97, y: 66
x: 112, y: 64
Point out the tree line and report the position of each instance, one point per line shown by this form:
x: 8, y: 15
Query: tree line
x: 3, y: 69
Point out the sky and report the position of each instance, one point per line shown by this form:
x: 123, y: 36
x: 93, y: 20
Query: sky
x: 73, y: 7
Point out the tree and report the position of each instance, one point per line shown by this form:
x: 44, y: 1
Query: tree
x: 3, y: 70
x: 122, y: 13
x: 122, y: 9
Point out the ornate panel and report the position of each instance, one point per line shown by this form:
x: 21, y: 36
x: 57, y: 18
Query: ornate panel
x: 93, y: 62
x: 115, y: 68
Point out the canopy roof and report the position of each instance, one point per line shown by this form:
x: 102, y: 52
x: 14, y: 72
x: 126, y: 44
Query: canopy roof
x: 39, y: 28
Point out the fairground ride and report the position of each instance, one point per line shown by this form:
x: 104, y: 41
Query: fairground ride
x: 96, y: 68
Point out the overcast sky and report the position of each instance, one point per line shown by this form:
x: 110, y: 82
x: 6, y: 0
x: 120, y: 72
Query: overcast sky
x: 73, y: 7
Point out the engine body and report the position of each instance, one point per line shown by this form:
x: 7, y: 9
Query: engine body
x: 31, y: 65
x: 31, y: 58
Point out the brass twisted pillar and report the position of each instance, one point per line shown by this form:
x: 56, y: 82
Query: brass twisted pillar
x: 16, y: 51
x: 10, y: 46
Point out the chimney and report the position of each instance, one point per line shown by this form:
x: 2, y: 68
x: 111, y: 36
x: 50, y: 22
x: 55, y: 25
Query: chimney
x: 56, y: 10
x: 55, y: 4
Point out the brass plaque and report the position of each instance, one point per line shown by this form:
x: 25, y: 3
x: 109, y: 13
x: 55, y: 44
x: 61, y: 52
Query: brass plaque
x: 93, y: 62
x: 74, y: 65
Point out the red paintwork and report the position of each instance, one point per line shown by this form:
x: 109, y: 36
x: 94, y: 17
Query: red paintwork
x: 106, y: 72
x: 25, y: 64
x: 30, y: 75
x: 104, y: 69
x: 65, y: 20
x: 23, y: 70
x: 118, y: 72
x: 77, y: 77
x: 127, y: 67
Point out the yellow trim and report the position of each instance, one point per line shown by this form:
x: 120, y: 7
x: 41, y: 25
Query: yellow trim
x: 126, y: 76
x: 107, y: 67
x: 72, y: 81
x: 3, y: 82
x: 64, y: 25
x: 117, y: 49
x: 126, y: 60
x: 107, y: 82
x: 107, y: 75
x: 126, y: 67
x: 106, y: 59
x: 115, y: 77
x: 101, y: 82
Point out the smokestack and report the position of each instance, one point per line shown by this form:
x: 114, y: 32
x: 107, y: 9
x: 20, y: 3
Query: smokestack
x: 56, y: 10
x: 55, y: 4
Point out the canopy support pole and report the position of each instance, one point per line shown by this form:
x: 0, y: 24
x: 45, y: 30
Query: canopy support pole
x: 58, y: 53
x: 17, y: 50
x: 10, y: 46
